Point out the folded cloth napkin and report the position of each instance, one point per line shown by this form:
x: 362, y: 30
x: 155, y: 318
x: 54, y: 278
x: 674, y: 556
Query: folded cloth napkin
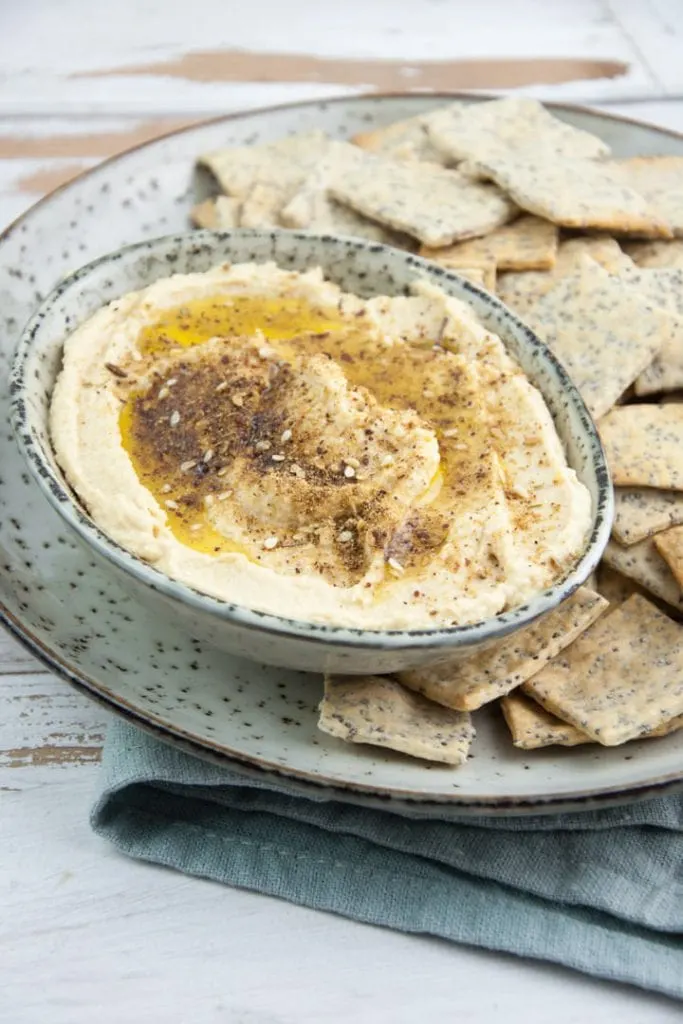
x: 600, y: 891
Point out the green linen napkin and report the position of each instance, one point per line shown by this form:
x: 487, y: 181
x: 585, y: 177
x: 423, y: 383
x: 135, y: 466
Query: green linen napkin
x: 601, y: 891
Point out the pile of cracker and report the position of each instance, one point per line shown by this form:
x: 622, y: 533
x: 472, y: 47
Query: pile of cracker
x: 588, y: 250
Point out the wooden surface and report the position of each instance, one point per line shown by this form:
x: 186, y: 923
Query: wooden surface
x: 84, y: 933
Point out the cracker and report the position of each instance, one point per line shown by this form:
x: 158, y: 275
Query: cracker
x: 643, y: 564
x: 262, y: 204
x: 520, y: 291
x: 602, y: 332
x: 662, y: 287
x: 644, y: 445
x: 484, y: 276
x: 379, y: 711
x: 574, y: 193
x: 661, y: 253
x: 403, y: 140
x: 619, y: 680
x: 615, y: 587
x: 641, y: 511
x: 660, y: 180
x: 434, y: 205
x: 529, y: 243
x: 670, y: 546
x: 478, y: 130
x: 217, y: 213
x: 313, y: 208
x: 496, y: 671
x: 531, y: 726
x: 283, y: 164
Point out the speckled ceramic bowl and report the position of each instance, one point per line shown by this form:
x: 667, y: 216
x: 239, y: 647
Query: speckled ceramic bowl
x: 359, y: 267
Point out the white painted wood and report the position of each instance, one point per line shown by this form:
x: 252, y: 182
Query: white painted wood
x: 84, y: 932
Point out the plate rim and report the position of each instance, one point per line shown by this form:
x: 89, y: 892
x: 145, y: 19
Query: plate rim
x: 538, y: 804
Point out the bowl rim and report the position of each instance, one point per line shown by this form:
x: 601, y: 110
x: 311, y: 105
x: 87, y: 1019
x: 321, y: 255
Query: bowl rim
x: 448, y: 638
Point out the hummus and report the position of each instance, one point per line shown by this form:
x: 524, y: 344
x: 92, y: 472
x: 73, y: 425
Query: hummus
x: 272, y: 441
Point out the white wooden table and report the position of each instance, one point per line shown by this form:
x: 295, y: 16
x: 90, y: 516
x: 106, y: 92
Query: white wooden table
x: 85, y: 933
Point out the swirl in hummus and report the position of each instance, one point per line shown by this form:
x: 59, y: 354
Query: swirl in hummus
x: 272, y: 441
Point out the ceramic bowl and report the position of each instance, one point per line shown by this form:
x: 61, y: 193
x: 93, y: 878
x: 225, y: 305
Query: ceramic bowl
x: 360, y: 267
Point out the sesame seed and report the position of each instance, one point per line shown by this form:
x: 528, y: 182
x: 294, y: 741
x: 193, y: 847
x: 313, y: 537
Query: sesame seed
x: 209, y: 499
x: 224, y: 495
x: 270, y: 543
x: 171, y: 381
x: 345, y: 536
x: 396, y: 566
x: 353, y: 462
x: 296, y: 470
x: 279, y: 457
x: 264, y: 352
x: 163, y: 393
x: 208, y: 455
x: 349, y: 472
x: 222, y: 386
x: 237, y: 400
x: 451, y: 432
x: 222, y: 471
x: 262, y: 446
x: 286, y: 435
x: 387, y: 460
x: 175, y: 418
x: 195, y: 527
x: 460, y: 447
x: 170, y: 503
x: 166, y: 489
x: 186, y: 466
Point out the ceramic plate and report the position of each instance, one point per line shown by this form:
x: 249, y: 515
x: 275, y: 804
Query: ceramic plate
x: 78, y: 620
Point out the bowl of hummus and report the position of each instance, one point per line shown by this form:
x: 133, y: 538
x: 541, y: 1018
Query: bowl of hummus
x: 316, y: 452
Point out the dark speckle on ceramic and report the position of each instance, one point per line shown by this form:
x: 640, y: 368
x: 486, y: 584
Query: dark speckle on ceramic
x: 87, y: 621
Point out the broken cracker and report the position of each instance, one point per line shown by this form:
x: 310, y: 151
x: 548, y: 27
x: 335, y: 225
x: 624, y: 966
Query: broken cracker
x: 217, y: 213
x: 284, y: 164
x: 661, y: 253
x: 497, y: 670
x: 529, y: 243
x: 640, y: 512
x: 642, y: 563
x: 669, y: 543
x: 531, y: 726
x: 574, y: 193
x: 435, y: 205
x: 644, y: 445
x: 313, y: 208
x: 521, y: 290
x: 660, y: 180
x: 601, y: 331
x: 619, y: 680
x: 402, y: 140
x: 379, y: 711
x: 476, y: 131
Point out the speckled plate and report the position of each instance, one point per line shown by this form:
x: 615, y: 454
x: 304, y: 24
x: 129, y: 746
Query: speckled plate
x: 77, y: 619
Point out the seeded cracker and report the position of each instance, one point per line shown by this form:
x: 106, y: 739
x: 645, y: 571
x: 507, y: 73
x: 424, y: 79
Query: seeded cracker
x: 379, y: 711
x: 217, y: 213
x: 663, y: 287
x: 531, y: 726
x: 403, y: 140
x: 529, y: 243
x: 660, y: 180
x: 621, y: 679
x: 644, y: 445
x: 641, y: 511
x: 643, y: 563
x: 670, y: 546
x: 603, y: 332
x: 484, y: 677
x: 477, y: 130
x: 434, y: 205
x: 312, y: 207
x: 484, y: 276
x: 574, y: 193
x: 520, y: 291
x: 662, y: 253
